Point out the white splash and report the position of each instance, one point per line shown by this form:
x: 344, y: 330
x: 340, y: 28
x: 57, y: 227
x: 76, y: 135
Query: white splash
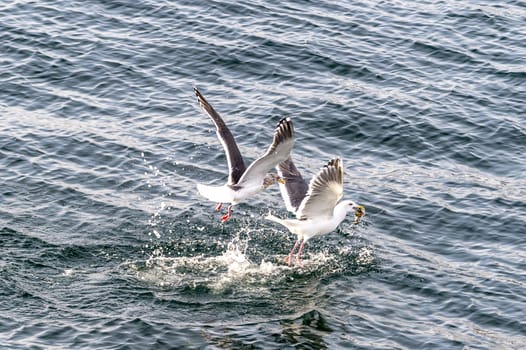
x: 365, y: 256
x: 233, y: 269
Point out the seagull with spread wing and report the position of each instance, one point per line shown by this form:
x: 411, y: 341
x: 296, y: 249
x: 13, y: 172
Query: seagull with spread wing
x: 316, y: 205
x: 244, y: 182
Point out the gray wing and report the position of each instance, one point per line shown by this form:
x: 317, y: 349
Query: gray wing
x: 325, y: 190
x: 295, y: 187
x: 236, y: 165
x: 277, y: 152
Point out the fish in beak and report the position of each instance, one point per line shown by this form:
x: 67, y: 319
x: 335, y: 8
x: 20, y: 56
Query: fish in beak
x: 359, y: 213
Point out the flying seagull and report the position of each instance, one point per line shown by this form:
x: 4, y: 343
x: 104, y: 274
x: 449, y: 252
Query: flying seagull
x: 244, y: 182
x: 316, y: 205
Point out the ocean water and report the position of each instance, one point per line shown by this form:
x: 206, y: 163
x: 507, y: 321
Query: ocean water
x: 105, y: 243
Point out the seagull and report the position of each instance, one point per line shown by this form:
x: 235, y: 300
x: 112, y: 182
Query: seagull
x: 245, y: 182
x: 316, y: 205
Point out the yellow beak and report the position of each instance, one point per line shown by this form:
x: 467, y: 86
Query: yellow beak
x: 282, y: 181
x: 359, y: 213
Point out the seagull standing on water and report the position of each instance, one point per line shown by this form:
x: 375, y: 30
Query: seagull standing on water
x: 316, y: 205
x: 244, y: 182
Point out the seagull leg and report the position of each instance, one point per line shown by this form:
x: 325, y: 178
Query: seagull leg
x: 228, y: 214
x: 298, y: 260
x: 288, y: 259
x: 218, y: 206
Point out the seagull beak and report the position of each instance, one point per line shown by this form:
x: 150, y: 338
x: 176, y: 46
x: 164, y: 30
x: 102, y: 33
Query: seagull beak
x: 282, y: 181
x: 359, y: 213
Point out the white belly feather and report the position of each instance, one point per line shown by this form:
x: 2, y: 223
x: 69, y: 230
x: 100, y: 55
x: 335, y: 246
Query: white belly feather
x: 225, y: 194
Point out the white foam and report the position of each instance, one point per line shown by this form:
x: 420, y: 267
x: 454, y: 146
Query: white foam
x: 233, y: 269
x: 365, y: 256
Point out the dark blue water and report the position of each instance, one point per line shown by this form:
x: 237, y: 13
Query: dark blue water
x: 105, y: 243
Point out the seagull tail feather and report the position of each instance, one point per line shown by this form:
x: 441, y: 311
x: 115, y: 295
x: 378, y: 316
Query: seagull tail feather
x: 275, y: 219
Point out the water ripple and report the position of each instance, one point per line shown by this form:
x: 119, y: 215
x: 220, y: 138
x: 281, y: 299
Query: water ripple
x: 106, y: 242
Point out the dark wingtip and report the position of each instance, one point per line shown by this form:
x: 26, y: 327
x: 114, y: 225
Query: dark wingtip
x: 201, y: 100
x: 285, y: 120
x: 285, y: 128
x: 197, y: 93
x: 336, y: 164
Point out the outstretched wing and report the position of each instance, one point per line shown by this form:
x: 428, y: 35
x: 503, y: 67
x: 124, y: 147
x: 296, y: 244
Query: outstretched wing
x: 295, y: 187
x: 236, y: 165
x: 325, y: 190
x: 277, y: 152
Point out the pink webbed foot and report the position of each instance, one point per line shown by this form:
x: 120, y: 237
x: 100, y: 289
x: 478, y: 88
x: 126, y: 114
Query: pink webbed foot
x: 298, y: 256
x: 218, y: 206
x: 224, y: 218
x: 288, y: 260
x: 227, y: 216
x: 298, y: 261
